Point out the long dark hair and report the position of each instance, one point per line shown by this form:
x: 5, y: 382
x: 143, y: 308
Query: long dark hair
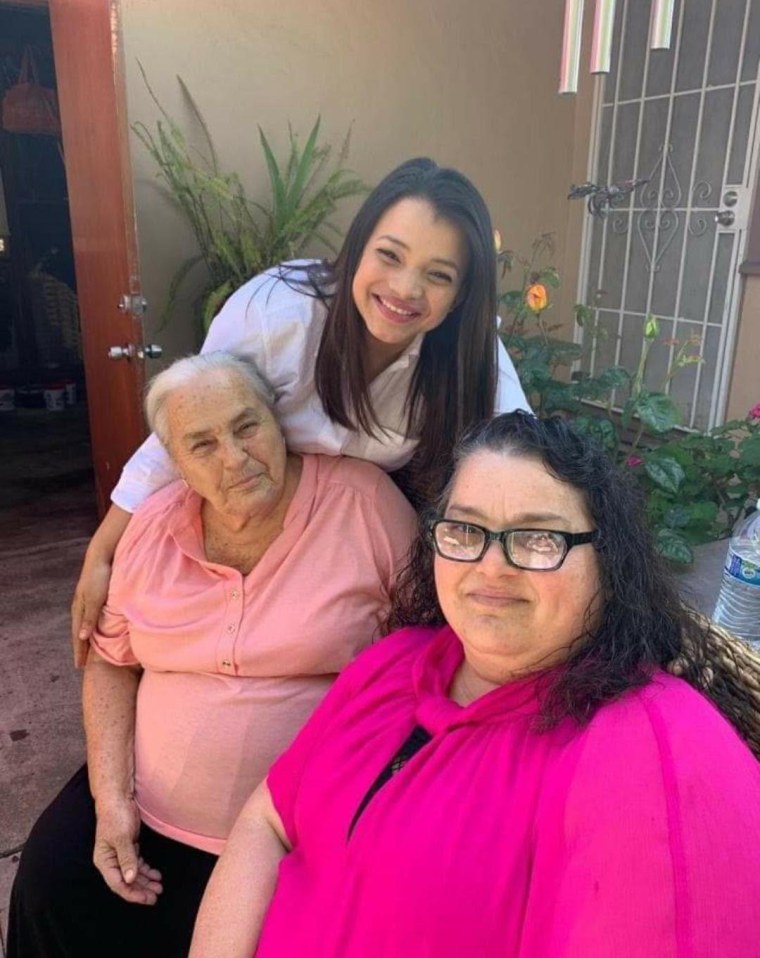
x: 454, y: 384
x: 644, y: 625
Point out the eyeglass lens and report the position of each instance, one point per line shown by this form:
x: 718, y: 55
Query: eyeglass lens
x: 531, y: 548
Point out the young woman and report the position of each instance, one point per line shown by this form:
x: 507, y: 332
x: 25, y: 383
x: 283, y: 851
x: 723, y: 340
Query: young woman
x: 387, y: 354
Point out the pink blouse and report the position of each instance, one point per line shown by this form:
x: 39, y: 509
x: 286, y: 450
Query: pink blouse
x: 235, y: 664
x: 638, y: 835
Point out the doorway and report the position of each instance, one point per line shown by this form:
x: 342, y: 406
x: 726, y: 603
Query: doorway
x: 46, y: 467
x: 685, y: 122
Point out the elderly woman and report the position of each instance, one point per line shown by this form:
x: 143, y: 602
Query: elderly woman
x: 517, y: 777
x: 238, y: 593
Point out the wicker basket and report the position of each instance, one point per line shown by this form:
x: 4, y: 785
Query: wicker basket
x: 731, y: 679
x: 55, y: 315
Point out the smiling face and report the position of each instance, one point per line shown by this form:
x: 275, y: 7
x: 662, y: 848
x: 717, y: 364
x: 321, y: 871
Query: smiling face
x: 227, y: 444
x: 408, y: 278
x: 511, y: 620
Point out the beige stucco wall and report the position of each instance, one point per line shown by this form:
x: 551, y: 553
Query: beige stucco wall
x: 471, y: 84
x: 745, y: 380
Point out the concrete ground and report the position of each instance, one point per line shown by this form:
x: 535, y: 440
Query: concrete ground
x: 41, y: 742
x: 42, y: 542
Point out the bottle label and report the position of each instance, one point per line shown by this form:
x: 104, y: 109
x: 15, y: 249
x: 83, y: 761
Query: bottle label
x: 742, y: 569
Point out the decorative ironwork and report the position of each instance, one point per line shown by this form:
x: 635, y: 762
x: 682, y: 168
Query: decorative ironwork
x: 658, y: 223
x: 669, y: 194
x: 603, y: 198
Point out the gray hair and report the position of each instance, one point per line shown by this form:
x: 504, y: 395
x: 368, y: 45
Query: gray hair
x: 183, y: 371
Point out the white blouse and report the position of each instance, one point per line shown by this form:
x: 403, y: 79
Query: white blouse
x: 279, y: 329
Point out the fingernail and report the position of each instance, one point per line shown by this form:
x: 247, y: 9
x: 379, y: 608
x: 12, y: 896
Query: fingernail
x: 83, y: 633
x: 129, y: 875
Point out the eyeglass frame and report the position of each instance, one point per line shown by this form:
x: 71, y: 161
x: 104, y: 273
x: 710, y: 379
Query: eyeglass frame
x: 571, y: 540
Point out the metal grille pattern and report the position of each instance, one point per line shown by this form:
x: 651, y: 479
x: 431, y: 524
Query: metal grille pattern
x: 686, y: 118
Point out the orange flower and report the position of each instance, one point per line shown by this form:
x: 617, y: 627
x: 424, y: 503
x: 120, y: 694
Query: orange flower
x: 536, y: 297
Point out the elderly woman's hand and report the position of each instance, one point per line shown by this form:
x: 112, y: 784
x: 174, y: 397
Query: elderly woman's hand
x: 116, y: 854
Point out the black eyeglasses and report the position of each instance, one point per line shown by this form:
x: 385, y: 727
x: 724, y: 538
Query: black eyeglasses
x: 538, y: 550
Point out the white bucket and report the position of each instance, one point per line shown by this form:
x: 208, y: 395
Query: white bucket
x: 7, y: 399
x: 55, y: 398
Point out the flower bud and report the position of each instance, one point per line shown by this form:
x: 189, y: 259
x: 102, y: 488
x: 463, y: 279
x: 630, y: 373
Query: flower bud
x: 536, y: 297
x: 651, y: 328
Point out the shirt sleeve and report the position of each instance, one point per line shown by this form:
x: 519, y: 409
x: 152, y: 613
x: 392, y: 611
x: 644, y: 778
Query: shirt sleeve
x: 111, y: 639
x: 148, y: 470
x: 237, y: 329
x: 656, y: 852
x: 509, y: 392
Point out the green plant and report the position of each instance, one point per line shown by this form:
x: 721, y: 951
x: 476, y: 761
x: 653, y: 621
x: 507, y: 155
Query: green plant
x: 237, y: 236
x: 696, y: 484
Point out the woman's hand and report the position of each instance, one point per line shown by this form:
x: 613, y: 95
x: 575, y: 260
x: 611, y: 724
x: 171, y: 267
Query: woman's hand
x: 117, y: 856
x: 92, y: 588
x: 89, y: 598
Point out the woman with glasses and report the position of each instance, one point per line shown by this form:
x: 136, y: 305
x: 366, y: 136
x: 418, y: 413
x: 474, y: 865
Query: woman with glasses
x: 513, y: 773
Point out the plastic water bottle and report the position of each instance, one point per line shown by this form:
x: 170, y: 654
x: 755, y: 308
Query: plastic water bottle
x: 738, y: 605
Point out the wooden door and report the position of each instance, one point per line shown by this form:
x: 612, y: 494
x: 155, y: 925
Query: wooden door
x: 90, y: 77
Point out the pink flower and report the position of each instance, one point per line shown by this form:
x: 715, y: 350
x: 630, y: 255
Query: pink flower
x: 754, y: 413
x: 634, y: 461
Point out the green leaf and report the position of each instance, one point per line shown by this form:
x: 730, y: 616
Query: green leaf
x: 665, y: 473
x: 600, y: 429
x: 513, y: 300
x: 677, y: 517
x: 749, y: 451
x: 720, y: 465
x: 275, y: 177
x: 703, y: 511
x: 614, y: 377
x: 214, y: 302
x: 549, y: 276
x: 174, y: 287
x: 583, y: 314
x: 673, y: 546
x: 657, y: 411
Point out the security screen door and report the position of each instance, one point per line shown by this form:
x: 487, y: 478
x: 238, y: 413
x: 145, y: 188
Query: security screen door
x: 687, y: 119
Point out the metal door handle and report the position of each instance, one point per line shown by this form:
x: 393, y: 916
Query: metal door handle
x: 121, y: 352
x: 725, y: 217
x: 130, y: 351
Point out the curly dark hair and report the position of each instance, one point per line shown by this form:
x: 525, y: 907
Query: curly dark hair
x: 644, y: 624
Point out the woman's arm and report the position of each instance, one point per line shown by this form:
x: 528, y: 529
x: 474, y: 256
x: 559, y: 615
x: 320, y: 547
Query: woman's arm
x: 242, y: 884
x: 109, y: 695
x: 92, y: 587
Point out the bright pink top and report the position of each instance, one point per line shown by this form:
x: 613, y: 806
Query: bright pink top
x: 235, y: 664
x: 638, y: 835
